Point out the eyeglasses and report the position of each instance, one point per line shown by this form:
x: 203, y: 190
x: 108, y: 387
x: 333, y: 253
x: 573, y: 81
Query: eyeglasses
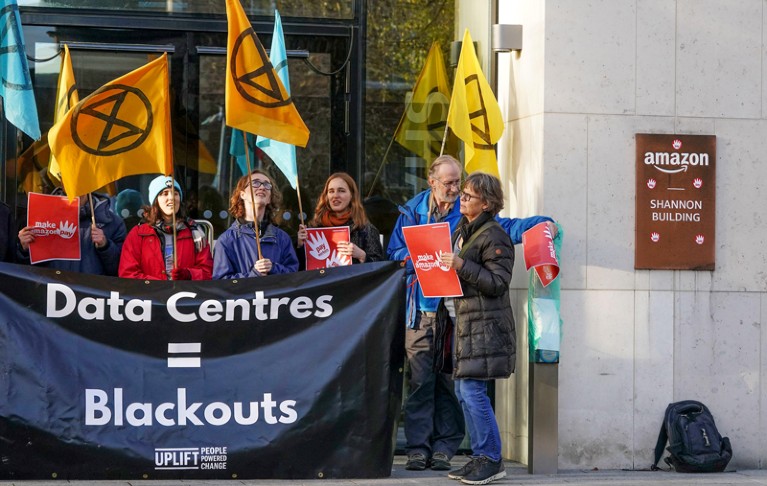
x: 465, y: 196
x: 257, y: 183
x: 449, y: 184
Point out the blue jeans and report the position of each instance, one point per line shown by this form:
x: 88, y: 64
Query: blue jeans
x: 480, y: 419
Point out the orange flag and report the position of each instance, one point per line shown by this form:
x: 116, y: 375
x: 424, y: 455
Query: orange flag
x: 66, y: 98
x: 256, y: 100
x: 121, y: 129
x: 475, y: 116
x: 422, y: 126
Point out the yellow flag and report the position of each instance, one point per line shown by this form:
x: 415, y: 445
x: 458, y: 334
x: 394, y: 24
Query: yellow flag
x: 206, y: 164
x: 256, y: 100
x: 475, y: 116
x: 121, y: 129
x: 422, y: 126
x: 66, y: 98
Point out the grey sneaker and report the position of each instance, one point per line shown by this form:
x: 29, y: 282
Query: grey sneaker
x: 439, y: 462
x: 415, y: 462
x: 485, y: 471
x: 466, y: 469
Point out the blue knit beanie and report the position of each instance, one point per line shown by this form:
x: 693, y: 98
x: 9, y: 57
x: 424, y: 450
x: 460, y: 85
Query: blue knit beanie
x: 159, y: 184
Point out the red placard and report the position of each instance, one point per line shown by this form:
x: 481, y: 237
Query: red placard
x: 54, y: 222
x: 538, y: 245
x: 321, y: 247
x: 425, y: 243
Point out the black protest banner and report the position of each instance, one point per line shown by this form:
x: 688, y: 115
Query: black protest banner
x: 290, y: 376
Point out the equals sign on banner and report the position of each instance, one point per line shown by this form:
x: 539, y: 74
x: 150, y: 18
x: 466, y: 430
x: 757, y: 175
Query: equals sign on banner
x: 185, y: 352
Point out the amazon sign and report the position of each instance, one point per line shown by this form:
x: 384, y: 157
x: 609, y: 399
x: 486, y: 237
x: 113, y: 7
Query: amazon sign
x: 675, y: 202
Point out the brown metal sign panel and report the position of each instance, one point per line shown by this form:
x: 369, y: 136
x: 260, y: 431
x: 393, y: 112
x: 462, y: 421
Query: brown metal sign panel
x: 675, y: 202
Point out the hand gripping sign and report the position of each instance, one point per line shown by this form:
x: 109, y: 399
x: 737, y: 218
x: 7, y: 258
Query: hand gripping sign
x: 538, y: 244
x: 54, y: 222
x: 425, y: 243
x: 321, y: 247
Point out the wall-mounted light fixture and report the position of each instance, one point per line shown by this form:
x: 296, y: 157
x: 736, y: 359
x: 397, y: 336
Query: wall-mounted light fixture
x: 506, y: 37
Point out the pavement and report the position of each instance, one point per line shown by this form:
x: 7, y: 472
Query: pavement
x: 516, y: 474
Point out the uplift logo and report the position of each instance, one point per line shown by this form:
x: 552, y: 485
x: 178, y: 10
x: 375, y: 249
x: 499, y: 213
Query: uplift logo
x: 190, y: 458
x: 65, y: 229
x: 428, y: 261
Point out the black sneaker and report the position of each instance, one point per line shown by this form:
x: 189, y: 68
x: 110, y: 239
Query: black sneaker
x: 460, y: 473
x: 439, y: 462
x: 415, y: 462
x: 485, y: 471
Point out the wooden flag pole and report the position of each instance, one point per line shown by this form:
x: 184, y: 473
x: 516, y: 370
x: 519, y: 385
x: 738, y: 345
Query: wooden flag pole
x: 298, y: 193
x: 173, y: 217
x: 252, y: 193
x: 93, y: 209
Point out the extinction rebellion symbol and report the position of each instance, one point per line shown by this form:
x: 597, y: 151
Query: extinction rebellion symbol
x: 246, y: 83
x: 118, y: 135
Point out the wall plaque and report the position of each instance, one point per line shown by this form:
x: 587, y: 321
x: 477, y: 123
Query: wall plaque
x: 675, y: 202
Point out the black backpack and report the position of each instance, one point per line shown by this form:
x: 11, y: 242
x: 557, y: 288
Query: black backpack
x: 695, y: 444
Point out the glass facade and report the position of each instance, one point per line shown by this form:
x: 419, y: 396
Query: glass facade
x: 352, y: 64
x: 338, y: 9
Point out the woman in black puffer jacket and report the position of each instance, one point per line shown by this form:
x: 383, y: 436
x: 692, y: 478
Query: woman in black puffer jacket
x: 475, y: 335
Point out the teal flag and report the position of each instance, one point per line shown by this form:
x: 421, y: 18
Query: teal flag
x: 16, y: 87
x: 237, y: 150
x: 282, y: 154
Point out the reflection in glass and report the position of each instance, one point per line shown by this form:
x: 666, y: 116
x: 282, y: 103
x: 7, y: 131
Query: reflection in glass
x: 311, y: 94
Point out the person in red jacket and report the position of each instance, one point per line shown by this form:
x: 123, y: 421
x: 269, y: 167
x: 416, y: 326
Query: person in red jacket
x: 148, y: 250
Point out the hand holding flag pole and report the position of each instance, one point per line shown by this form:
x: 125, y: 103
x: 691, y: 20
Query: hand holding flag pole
x: 252, y: 197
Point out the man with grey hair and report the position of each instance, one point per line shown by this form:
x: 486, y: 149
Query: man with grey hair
x: 434, y: 423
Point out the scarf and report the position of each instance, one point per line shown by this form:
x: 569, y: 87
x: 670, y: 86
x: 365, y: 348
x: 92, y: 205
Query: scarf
x: 162, y: 226
x: 467, y: 229
x: 329, y: 218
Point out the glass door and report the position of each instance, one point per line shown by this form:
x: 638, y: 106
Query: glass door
x: 320, y: 83
x: 313, y: 95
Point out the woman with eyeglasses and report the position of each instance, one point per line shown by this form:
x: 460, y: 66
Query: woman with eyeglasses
x: 236, y: 252
x: 340, y: 205
x: 479, y: 326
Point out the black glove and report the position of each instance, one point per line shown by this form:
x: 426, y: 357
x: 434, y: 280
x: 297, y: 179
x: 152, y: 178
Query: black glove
x: 181, y: 274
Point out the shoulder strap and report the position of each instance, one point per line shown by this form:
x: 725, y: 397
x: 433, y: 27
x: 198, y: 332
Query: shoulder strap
x: 660, y: 445
x: 474, y: 236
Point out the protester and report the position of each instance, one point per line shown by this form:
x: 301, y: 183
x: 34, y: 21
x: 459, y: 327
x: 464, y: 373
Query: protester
x: 100, y: 244
x: 148, y: 251
x: 236, y: 254
x: 340, y: 205
x: 434, y: 425
x: 128, y: 205
x: 479, y: 326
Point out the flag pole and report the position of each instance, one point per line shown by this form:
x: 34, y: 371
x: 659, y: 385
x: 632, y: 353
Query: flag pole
x: 252, y: 193
x: 173, y: 216
x: 298, y: 194
x: 93, y: 209
x: 447, y: 123
x: 391, y: 142
x: 380, y: 168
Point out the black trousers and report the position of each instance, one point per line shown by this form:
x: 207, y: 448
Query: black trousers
x: 433, y: 417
